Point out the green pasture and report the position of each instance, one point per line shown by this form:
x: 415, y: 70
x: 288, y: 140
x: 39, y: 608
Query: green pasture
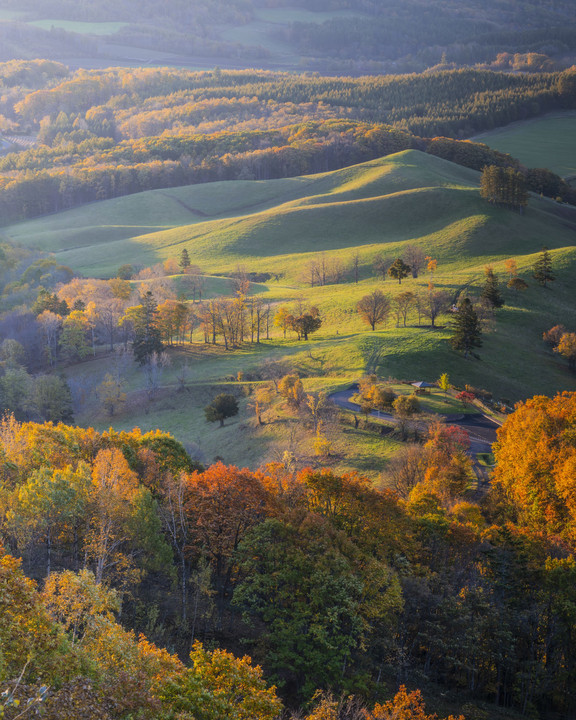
x: 279, y: 227
x: 285, y: 15
x: 82, y: 28
x: 544, y: 142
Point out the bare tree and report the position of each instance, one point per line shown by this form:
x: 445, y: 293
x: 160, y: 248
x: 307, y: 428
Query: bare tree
x: 414, y: 256
x: 382, y: 265
x: 51, y: 325
x: 318, y: 408
x: 240, y: 281
x: 275, y: 370
x: 374, y: 308
x: 153, y: 370
x: 107, y: 317
x: 336, y: 271
x: 406, y: 469
x: 402, y: 304
x: 355, y: 265
x: 435, y: 302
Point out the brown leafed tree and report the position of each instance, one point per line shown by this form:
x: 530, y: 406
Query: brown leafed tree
x: 374, y: 308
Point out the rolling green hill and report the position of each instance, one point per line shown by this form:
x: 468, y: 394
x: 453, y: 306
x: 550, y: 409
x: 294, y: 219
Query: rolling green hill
x: 278, y: 226
x: 275, y: 225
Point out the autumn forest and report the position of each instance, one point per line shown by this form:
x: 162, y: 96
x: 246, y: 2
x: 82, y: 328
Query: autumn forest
x: 287, y: 360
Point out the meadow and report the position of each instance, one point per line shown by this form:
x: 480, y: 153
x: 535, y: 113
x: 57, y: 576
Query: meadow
x: 82, y: 28
x: 544, y: 142
x: 278, y: 227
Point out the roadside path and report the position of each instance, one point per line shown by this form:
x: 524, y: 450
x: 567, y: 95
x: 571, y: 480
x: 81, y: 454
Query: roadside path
x: 481, y: 429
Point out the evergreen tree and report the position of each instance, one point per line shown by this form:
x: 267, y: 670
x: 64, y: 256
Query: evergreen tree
x: 543, y: 273
x: 184, y: 260
x: 504, y: 186
x: 467, y: 333
x: 491, y: 291
x: 147, y: 338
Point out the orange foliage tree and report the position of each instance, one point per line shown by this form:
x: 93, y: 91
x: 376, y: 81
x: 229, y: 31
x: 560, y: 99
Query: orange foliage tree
x: 536, y: 462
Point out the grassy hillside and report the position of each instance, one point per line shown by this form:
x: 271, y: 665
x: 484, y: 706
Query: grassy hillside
x: 279, y: 226
x: 274, y: 225
x: 546, y: 142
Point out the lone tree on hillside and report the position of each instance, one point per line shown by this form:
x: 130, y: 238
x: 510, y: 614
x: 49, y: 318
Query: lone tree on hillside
x: 399, y: 270
x: 517, y: 284
x: 184, y: 260
x: 491, y: 291
x: 543, y: 273
x: 374, y: 308
x: 467, y: 333
x: 306, y: 323
x: 223, y: 406
x: 433, y: 303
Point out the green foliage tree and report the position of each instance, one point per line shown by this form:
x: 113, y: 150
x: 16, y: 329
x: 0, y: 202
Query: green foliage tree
x: 306, y: 323
x: 51, y: 398
x: 222, y: 406
x: 125, y: 272
x: 147, y: 335
x: 74, y: 338
x: 542, y: 270
x: 217, y: 686
x: 184, y: 261
x: 310, y: 587
x: 466, y: 331
x: 399, y: 270
x: 491, y: 291
x: 504, y: 186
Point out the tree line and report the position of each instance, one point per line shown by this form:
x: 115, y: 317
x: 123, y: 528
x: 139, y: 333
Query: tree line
x: 102, y: 134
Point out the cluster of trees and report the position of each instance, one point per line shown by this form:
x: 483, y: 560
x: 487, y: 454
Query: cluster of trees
x: 103, y: 135
x: 330, y: 582
x: 562, y: 342
x: 376, y: 307
x: 504, y: 186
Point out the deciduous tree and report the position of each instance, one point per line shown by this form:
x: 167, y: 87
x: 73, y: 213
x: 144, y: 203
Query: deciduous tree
x: 222, y: 406
x: 567, y: 348
x: 374, y: 308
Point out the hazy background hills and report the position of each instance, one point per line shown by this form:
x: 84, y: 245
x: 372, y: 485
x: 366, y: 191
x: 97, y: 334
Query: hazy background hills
x: 339, y: 36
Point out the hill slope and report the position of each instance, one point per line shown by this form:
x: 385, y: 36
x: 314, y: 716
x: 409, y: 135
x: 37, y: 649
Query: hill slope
x: 273, y: 225
x: 375, y: 208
